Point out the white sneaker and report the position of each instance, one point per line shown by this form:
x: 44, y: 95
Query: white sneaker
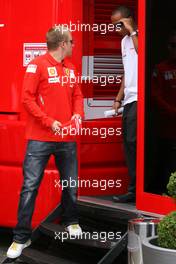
x: 16, y: 249
x: 74, y: 230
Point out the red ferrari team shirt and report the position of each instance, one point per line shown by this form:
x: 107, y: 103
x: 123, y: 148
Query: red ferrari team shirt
x: 50, y: 93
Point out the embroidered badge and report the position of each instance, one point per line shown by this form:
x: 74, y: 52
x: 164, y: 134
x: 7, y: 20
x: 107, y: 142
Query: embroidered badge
x: 31, y: 68
x: 67, y: 71
x: 54, y: 80
x: 52, y: 72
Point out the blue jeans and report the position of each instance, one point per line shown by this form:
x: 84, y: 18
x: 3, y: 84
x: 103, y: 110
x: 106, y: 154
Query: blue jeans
x: 36, y: 158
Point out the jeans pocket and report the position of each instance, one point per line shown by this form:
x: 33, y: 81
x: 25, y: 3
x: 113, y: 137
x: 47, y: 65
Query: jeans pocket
x: 36, y: 147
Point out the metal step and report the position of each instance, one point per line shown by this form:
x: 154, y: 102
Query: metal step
x: 59, y: 247
x: 33, y: 256
x: 88, y: 239
x: 58, y: 252
x: 100, y: 211
x: 73, y: 254
x: 123, y: 210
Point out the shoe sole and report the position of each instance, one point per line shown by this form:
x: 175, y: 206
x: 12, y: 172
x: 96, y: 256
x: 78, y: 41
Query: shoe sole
x: 29, y: 243
x: 76, y: 235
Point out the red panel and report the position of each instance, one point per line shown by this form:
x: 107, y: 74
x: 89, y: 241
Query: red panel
x: 25, y: 21
x: 112, y: 46
x: 102, y: 157
x: 103, y: 180
x: 11, y: 117
x: 109, y: 130
x: 12, y: 142
x: 156, y: 203
x: 141, y: 101
x: 11, y: 181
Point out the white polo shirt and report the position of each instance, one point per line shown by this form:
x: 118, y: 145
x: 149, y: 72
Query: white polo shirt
x: 130, y: 63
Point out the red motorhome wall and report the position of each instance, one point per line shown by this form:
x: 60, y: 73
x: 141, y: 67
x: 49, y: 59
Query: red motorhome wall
x: 25, y: 22
x: 100, y: 158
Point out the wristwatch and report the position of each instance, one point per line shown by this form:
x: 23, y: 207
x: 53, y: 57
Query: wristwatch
x: 117, y: 101
x: 134, y: 33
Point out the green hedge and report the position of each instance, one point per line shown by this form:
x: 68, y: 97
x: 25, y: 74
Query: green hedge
x: 167, y: 231
x: 171, y: 186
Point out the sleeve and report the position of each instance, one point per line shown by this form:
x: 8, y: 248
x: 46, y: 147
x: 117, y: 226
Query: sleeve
x: 77, y: 100
x: 30, y: 93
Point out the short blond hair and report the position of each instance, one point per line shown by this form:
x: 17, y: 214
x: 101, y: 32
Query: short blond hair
x: 55, y: 36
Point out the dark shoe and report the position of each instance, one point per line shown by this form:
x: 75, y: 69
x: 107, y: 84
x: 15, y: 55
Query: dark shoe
x: 124, y: 198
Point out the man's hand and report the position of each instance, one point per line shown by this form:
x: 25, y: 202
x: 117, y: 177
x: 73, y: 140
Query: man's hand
x: 128, y: 24
x: 131, y: 27
x: 56, y: 126
x: 77, y: 116
x: 116, y: 106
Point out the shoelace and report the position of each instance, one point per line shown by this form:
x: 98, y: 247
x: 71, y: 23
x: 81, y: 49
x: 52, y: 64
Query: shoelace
x: 75, y: 226
x: 14, y: 246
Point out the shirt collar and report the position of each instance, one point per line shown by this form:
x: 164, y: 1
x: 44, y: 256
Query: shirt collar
x: 53, y: 61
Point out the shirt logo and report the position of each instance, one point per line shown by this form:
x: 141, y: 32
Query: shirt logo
x: 67, y: 71
x: 53, y: 80
x: 31, y: 68
x: 52, y: 71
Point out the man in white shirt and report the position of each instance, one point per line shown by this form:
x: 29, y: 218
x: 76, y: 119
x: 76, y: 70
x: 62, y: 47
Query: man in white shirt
x: 122, y: 17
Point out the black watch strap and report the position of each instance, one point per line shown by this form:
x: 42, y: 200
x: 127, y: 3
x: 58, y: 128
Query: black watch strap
x: 117, y: 101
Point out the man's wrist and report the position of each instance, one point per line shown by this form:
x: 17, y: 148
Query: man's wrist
x: 131, y: 30
x: 117, y: 101
x: 134, y: 33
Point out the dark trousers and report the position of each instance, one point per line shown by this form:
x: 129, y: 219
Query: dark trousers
x: 129, y: 138
x: 37, y: 156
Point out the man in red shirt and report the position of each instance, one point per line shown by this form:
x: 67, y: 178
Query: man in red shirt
x: 51, y: 100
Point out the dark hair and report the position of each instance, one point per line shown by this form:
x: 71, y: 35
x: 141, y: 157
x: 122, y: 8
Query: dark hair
x: 124, y: 10
x: 56, y: 35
